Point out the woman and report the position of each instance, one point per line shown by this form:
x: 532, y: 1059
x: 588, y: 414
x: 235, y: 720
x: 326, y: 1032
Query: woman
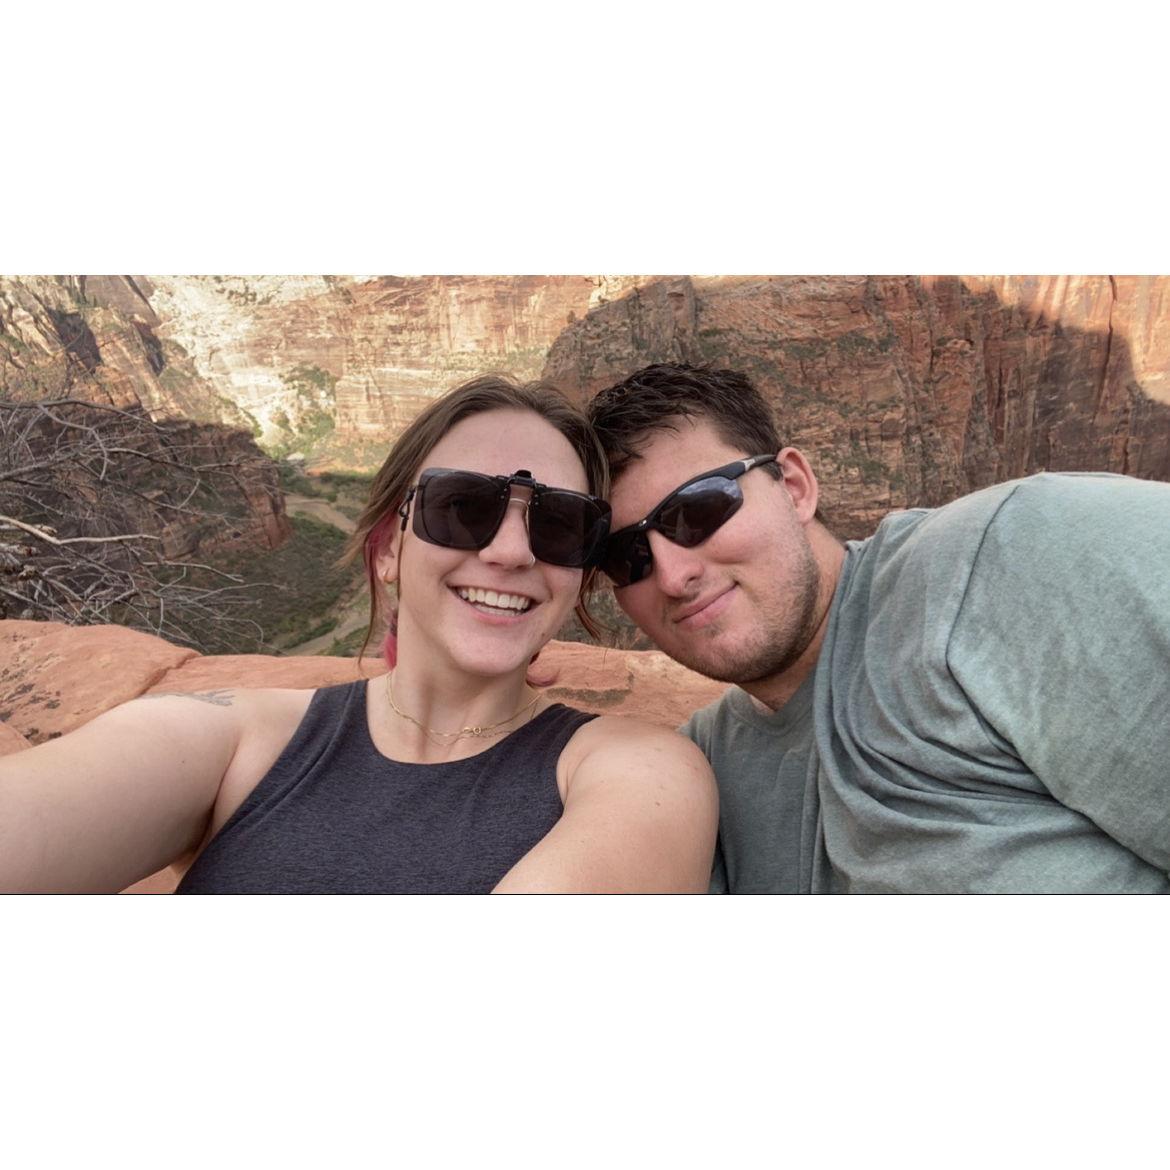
x: 446, y: 775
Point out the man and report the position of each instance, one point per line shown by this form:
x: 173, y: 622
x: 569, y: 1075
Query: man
x: 973, y: 699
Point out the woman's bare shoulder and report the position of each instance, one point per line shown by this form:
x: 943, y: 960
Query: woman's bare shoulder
x: 612, y: 742
x: 629, y: 729
x: 641, y: 811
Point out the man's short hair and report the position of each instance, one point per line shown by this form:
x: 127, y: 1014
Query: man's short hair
x: 626, y: 415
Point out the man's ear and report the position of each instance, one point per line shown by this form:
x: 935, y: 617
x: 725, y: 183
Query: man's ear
x: 799, y: 481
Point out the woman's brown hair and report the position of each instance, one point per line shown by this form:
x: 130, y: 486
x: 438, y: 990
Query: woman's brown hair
x: 402, y: 465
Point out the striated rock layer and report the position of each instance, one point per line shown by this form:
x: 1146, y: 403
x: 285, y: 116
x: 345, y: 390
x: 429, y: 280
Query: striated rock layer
x: 378, y: 349
x: 905, y: 390
x: 93, y: 338
x: 54, y: 678
x: 910, y: 391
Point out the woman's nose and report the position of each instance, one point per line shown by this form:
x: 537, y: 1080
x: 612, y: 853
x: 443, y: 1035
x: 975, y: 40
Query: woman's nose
x: 510, y: 545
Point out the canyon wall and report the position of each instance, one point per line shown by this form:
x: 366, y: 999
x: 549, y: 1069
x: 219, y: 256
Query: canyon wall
x: 370, y: 352
x: 95, y: 339
x: 910, y: 391
x: 904, y: 390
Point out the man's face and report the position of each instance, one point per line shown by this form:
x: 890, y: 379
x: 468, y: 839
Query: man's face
x: 741, y: 606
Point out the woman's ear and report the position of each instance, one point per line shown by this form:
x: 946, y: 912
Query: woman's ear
x: 386, y: 562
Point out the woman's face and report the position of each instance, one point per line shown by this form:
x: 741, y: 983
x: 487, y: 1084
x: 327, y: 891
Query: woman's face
x: 444, y: 613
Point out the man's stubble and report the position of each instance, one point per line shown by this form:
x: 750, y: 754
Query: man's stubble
x: 783, y: 634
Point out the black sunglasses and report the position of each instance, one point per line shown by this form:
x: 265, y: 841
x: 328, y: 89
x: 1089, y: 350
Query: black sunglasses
x: 687, y: 517
x: 464, y: 509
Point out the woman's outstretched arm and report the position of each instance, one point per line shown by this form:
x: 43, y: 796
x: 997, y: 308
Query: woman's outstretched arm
x: 117, y: 799
x: 641, y: 813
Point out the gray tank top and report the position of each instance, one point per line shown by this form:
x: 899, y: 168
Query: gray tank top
x: 335, y: 816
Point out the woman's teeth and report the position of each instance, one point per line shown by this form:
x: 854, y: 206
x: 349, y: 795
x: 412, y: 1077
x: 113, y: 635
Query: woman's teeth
x: 499, y: 602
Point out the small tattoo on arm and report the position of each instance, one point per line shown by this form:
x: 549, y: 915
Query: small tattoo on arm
x: 221, y: 698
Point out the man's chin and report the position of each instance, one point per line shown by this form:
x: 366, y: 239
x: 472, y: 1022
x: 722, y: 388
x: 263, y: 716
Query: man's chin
x: 741, y: 665
x: 722, y: 666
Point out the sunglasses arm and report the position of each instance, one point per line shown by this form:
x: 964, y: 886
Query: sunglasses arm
x: 404, y: 510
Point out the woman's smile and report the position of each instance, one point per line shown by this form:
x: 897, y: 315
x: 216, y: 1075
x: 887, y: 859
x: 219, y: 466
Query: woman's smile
x: 494, y: 603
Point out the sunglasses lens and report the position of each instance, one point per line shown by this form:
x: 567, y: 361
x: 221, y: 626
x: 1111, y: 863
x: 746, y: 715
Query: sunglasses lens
x: 696, y: 512
x: 686, y: 518
x: 627, y: 558
x: 462, y: 509
x: 566, y: 528
x: 458, y: 509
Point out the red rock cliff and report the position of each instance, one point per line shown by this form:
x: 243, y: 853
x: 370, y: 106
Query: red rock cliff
x: 388, y: 345
x: 94, y: 339
x: 905, y: 390
x: 913, y: 390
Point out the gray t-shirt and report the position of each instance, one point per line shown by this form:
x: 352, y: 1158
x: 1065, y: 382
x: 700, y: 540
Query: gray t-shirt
x: 988, y: 714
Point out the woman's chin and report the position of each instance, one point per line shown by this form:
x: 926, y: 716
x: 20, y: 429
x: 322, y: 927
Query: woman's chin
x: 484, y: 648
x: 489, y: 666
x: 485, y: 657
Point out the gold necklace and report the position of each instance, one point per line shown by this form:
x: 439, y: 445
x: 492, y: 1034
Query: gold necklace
x: 443, y: 738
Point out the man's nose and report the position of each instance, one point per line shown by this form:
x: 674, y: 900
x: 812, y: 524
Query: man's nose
x: 675, y: 568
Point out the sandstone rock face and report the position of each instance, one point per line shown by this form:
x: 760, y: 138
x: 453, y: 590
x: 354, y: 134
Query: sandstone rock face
x: 905, y: 390
x: 11, y: 740
x: 211, y: 672
x: 54, y: 678
x: 386, y: 346
x: 910, y: 391
x: 95, y: 339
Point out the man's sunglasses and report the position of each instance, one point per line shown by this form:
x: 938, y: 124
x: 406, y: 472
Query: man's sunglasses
x: 688, y: 516
x: 463, y: 509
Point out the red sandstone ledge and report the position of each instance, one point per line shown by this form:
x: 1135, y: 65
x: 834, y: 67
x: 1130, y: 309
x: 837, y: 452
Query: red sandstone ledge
x: 54, y: 678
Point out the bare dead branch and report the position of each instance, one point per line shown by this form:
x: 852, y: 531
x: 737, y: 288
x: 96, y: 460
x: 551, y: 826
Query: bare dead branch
x: 41, y: 534
x: 103, y: 502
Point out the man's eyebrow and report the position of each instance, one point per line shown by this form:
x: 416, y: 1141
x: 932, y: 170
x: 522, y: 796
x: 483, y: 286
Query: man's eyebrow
x: 220, y: 698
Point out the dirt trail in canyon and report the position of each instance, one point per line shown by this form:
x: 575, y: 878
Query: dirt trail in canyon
x: 356, y: 613
x: 318, y: 509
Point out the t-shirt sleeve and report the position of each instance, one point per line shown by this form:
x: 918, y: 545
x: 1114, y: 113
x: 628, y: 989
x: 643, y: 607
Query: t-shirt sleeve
x: 1062, y: 644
